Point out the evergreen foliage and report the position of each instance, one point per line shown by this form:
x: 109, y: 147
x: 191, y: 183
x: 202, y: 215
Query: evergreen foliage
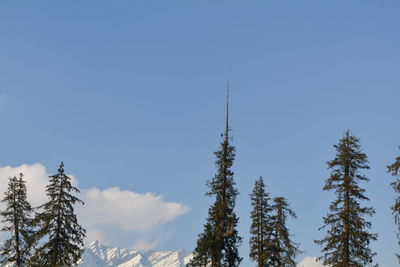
x: 218, y: 245
x: 394, y: 170
x: 261, y: 226
x: 347, y: 240
x: 283, y: 249
x: 18, y: 223
x: 58, y: 225
x: 202, y: 252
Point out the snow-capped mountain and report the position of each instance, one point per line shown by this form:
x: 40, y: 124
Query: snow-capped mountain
x: 98, y: 255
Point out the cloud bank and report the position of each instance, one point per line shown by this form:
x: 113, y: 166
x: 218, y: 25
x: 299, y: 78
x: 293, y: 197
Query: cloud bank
x: 128, y: 210
x: 104, y: 210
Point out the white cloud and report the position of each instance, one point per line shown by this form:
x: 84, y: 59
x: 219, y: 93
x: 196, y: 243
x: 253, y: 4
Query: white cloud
x: 93, y: 234
x: 104, y: 210
x: 145, y: 245
x: 128, y: 210
x: 310, y: 262
x: 35, y: 176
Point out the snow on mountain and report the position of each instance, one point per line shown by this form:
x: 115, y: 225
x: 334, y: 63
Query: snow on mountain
x: 98, y: 255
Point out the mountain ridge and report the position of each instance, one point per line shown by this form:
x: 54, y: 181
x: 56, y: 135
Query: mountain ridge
x: 98, y: 255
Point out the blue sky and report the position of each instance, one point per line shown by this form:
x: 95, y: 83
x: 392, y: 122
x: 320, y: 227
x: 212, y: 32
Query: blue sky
x: 131, y: 94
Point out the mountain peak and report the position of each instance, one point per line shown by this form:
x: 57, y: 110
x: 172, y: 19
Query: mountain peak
x: 95, y: 243
x: 98, y: 255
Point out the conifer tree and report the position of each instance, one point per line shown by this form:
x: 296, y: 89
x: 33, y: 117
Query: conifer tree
x: 58, y: 225
x: 218, y: 245
x: 347, y: 240
x: 18, y: 223
x: 261, y: 225
x: 283, y: 249
x: 394, y: 170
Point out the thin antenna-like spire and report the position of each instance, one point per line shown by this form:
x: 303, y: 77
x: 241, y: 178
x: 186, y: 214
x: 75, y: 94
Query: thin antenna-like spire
x: 227, y: 111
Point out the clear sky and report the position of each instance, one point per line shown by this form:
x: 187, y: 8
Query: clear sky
x: 130, y: 94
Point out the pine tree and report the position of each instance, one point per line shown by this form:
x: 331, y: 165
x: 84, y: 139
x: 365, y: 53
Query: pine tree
x: 218, y: 244
x: 283, y: 249
x: 261, y: 226
x: 58, y: 225
x: 18, y: 223
x: 347, y: 240
x: 394, y: 170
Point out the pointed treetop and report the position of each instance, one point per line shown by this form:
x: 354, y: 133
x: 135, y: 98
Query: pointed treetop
x: 21, y: 175
x: 61, y: 168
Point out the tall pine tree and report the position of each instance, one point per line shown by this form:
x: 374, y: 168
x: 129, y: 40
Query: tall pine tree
x: 63, y: 236
x: 347, y: 241
x: 218, y: 245
x: 283, y: 249
x: 394, y: 170
x: 261, y: 225
x: 17, y: 217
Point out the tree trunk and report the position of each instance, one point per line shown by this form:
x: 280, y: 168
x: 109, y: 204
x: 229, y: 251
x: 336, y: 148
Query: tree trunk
x: 16, y: 234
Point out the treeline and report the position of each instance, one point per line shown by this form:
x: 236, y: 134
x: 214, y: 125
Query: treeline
x: 49, y: 235
x: 347, y: 229
x: 45, y: 236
